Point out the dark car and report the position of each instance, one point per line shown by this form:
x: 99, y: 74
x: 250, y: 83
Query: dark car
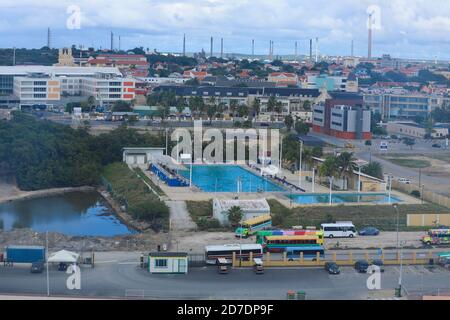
x: 332, y: 268
x: 37, y: 267
x: 361, y: 266
x: 436, y: 145
x: 369, y: 231
x: 379, y: 264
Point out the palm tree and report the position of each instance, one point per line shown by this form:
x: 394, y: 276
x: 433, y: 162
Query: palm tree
x: 347, y: 164
x: 271, y: 104
x: 256, y: 106
x: 235, y: 215
x: 329, y: 168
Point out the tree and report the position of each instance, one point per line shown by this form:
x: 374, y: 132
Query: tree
x: 307, y: 105
x: 410, y: 142
x: 271, y: 104
x: 373, y: 169
x: 121, y: 106
x: 192, y: 82
x: 288, y: 121
x: 301, y: 128
x: 368, y: 143
x: 346, y: 163
x: 329, y: 168
x: 235, y: 215
x: 256, y: 106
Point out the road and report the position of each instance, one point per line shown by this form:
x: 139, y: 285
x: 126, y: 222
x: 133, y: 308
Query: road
x: 119, y: 278
x: 439, y: 185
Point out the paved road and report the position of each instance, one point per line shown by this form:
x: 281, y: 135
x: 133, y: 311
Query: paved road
x: 180, y: 217
x: 120, y: 279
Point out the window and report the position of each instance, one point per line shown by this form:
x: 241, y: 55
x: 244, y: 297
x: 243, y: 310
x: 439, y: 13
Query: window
x: 160, y: 263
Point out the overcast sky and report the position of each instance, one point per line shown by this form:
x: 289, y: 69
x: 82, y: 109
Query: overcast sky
x: 404, y: 28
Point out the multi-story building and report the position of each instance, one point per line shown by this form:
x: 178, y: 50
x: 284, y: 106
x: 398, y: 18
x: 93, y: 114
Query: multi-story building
x: 292, y: 100
x: 283, y: 79
x: 132, y: 64
x: 415, y: 130
x: 53, y: 85
x: 343, y: 116
x: 403, y: 104
x: 333, y: 83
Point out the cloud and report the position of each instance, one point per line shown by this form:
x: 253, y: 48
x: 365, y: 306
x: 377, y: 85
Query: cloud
x: 407, y: 26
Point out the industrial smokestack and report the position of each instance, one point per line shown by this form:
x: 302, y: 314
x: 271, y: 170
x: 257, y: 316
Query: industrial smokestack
x: 369, y: 53
x: 112, y: 41
x: 212, y: 46
x: 352, y: 50
x: 253, y: 48
x: 317, y: 50
x: 49, y: 38
x: 296, y: 51
x: 221, y: 48
x: 310, y: 49
x: 184, y: 45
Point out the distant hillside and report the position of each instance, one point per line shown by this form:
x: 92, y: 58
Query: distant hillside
x: 43, y: 56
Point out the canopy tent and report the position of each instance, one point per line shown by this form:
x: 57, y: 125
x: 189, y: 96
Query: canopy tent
x: 270, y: 170
x: 64, y: 256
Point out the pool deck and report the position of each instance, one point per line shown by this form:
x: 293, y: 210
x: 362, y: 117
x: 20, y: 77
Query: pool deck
x: 195, y: 194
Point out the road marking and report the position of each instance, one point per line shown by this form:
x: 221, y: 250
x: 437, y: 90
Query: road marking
x: 104, y: 262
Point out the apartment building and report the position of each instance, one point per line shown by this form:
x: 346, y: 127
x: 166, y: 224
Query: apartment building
x: 332, y: 83
x: 283, y: 79
x: 403, y: 104
x: 343, y: 116
x: 52, y: 86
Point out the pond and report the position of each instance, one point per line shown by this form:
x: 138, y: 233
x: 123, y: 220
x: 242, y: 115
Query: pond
x: 73, y: 214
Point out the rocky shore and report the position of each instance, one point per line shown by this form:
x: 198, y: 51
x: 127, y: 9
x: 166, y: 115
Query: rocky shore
x: 26, y: 195
x: 146, y: 242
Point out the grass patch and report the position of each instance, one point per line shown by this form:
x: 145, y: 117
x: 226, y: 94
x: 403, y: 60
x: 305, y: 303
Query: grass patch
x: 131, y: 192
x: 202, y: 214
x: 410, y: 163
x: 141, y: 174
x: 381, y: 217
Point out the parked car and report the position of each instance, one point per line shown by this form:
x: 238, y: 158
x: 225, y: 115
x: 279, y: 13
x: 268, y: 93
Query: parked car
x: 379, y: 263
x: 361, y: 266
x: 223, y: 269
x: 369, y: 231
x: 404, y: 181
x: 436, y: 145
x: 37, y: 267
x: 332, y: 268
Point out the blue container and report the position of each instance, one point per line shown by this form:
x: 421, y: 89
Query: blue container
x: 25, y: 254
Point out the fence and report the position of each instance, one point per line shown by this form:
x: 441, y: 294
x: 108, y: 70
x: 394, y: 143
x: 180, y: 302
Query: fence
x: 428, y: 196
x: 408, y: 258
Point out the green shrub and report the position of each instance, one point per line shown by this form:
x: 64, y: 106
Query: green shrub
x: 415, y: 193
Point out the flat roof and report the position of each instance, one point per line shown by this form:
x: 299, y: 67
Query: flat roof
x: 305, y: 237
x: 245, y: 205
x: 244, y: 246
x: 57, y: 71
x: 168, y: 254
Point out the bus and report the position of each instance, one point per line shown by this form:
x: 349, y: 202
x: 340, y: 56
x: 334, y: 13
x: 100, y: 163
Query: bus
x: 212, y: 253
x: 437, y: 237
x: 339, y: 230
x: 309, y: 253
x: 251, y: 226
x: 265, y: 233
x: 280, y: 243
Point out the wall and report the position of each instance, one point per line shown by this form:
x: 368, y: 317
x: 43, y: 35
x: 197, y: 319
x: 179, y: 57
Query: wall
x: 427, y: 220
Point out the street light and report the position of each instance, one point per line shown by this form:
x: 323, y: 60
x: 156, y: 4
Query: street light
x: 300, y: 169
x: 313, y: 180
x: 400, y: 277
x: 395, y: 205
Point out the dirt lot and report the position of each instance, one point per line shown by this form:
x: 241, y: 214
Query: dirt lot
x: 195, y: 242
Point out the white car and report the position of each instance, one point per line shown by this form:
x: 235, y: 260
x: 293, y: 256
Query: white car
x: 404, y: 181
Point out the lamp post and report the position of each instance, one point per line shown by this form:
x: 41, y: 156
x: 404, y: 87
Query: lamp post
x: 314, y: 180
x: 400, y: 277
x: 46, y: 253
x: 331, y: 190
x: 395, y: 205
x: 300, y: 167
x: 390, y: 186
x: 359, y: 178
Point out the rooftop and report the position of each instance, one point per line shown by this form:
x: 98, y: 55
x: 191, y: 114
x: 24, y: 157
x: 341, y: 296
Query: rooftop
x: 57, y: 71
x: 245, y: 205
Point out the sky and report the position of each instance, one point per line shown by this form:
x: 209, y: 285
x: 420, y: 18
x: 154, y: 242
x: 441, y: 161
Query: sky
x: 403, y: 28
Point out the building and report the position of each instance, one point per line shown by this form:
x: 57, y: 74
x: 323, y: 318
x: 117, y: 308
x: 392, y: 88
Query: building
x: 168, y: 262
x: 51, y: 85
x: 130, y: 64
x: 292, y: 100
x: 403, y: 104
x: 332, y: 83
x: 415, y: 130
x: 250, y: 208
x: 343, y: 116
x: 140, y: 156
x: 65, y: 58
x: 283, y: 79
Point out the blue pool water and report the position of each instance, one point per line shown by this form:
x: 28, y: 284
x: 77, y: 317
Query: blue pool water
x: 224, y: 178
x: 379, y: 198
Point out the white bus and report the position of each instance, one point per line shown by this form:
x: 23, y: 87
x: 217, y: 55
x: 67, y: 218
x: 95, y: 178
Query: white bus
x: 212, y: 253
x: 340, y: 229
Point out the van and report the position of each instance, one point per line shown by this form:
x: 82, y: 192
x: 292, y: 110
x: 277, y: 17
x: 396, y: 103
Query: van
x: 339, y: 230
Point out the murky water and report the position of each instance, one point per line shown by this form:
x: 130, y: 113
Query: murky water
x: 75, y: 214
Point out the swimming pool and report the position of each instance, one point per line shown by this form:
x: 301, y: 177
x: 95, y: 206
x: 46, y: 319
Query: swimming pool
x: 376, y: 198
x: 224, y: 178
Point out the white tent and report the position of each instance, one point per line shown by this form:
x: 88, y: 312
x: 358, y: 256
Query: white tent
x: 64, y: 256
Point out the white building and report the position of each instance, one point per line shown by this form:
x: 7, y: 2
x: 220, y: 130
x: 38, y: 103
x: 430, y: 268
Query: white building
x: 168, y: 262
x: 250, y: 208
x: 140, y: 156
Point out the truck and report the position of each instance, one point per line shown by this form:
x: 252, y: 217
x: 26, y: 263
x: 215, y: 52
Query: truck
x: 24, y: 254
